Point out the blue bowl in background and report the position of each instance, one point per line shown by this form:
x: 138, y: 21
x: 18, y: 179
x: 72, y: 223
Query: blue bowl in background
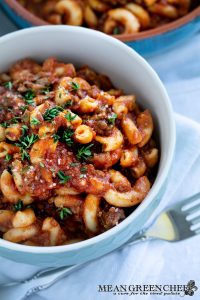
x: 146, y: 43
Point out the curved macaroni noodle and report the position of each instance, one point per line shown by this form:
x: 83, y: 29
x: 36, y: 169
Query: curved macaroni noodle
x: 75, y: 152
x: 111, y: 16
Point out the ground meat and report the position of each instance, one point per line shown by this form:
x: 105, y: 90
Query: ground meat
x: 101, y: 127
x: 101, y: 81
x: 36, y: 185
x: 3, y: 164
x: 54, y: 166
x: 111, y: 217
x: 99, y: 121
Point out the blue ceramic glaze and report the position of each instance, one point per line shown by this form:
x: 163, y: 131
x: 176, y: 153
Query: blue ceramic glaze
x: 164, y: 42
x: 145, y: 47
x: 18, y: 20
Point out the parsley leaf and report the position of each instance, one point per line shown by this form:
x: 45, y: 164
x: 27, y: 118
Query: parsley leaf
x: 111, y: 119
x: 64, y: 212
x: 8, y: 157
x: 74, y: 164
x: 63, y: 178
x: 34, y: 121
x: 55, y: 137
x: 51, y: 113
x: 46, y: 89
x: 84, y: 152
x: 15, y: 120
x: 24, y: 129
x: 24, y: 154
x: 70, y: 117
x: 83, y: 169
x: 67, y: 136
x: 8, y: 85
x: 23, y: 108
x: 75, y: 86
x: 29, y: 96
x: 68, y: 103
x: 25, y: 143
x: 116, y: 30
x: 4, y: 124
x: 18, y: 206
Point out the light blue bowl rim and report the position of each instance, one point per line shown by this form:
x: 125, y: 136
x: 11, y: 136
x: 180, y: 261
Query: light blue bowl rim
x: 157, y: 186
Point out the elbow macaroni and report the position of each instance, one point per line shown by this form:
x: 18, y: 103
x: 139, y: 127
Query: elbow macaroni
x: 83, y: 134
x: 76, y: 154
x: 110, y: 16
x: 112, y: 142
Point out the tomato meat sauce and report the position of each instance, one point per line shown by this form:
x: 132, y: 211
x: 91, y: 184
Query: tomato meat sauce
x: 63, y: 184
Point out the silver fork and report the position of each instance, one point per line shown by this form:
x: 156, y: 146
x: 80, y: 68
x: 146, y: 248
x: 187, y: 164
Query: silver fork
x: 180, y: 221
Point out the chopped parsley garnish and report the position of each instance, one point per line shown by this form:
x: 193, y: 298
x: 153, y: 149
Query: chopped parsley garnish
x: 23, y: 108
x: 74, y: 164
x: 83, y: 169
x: 15, y: 120
x: 111, y: 119
x: 24, y: 129
x: 24, y: 154
x: 55, y: 137
x: 25, y: 143
x: 8, y: 85
x: 18, y: 206
x: 67, y: 136
x: 4, y: 124
x: 64, y: 212
x: 28, y: 141
x: 116, y: 30
x: 8, y: 157
x: 29, y: 96
x: 46, y: 89
x: 68, y: 103
x: 75, y: 86
x: 51, y: 113
x: 63, y: 178
x: 70, y: 117
x: 34, y: 121
x: 84, y: 152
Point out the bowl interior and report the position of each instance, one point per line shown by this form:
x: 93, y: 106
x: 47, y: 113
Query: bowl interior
x: 107, y: 55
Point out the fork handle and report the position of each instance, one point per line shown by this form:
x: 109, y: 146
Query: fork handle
x: 23, y: 290
x: 45, y: 279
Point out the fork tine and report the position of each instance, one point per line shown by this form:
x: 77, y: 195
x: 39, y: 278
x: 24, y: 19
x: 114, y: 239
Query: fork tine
x: 192, y: 210
x: 190, y: 202
x: 195, y: 221
x: 197, y: 231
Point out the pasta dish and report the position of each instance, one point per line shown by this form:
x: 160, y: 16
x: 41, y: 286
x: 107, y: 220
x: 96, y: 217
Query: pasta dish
x: 110, y: 16
x: 76, y: 155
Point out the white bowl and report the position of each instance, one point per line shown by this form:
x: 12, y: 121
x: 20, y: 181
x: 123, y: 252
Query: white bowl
x: 128, y: 71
